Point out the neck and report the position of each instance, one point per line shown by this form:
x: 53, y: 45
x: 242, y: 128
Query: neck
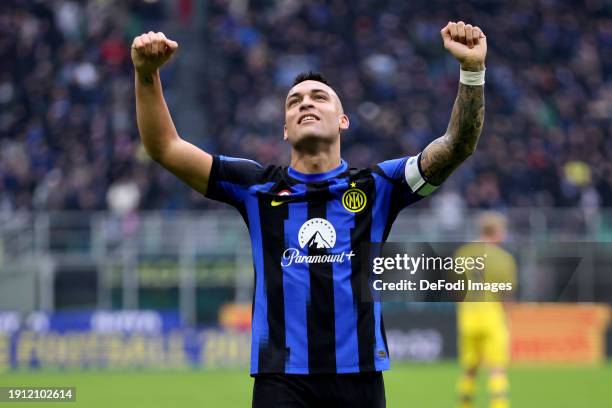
x: 315, y: 162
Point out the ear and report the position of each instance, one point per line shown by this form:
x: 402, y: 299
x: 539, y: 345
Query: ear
x: 344, y: 122
x: 285, y: 134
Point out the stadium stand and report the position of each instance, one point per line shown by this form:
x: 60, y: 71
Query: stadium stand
x: 68, y: 132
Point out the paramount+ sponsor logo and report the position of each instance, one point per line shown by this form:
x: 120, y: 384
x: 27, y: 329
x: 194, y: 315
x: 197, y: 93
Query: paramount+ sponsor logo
x: 319, y: 236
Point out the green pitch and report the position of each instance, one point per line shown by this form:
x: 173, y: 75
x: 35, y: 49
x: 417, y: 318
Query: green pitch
x: 420, y: 386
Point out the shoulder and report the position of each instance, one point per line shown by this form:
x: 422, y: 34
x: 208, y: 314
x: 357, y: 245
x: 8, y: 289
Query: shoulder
x: 393, y: 169
x: 243, y: 171
x: 507, y: 256
x: 273, y: 172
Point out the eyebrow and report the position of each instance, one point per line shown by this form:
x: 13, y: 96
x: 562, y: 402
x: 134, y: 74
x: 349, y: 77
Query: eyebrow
x: 316, y: 90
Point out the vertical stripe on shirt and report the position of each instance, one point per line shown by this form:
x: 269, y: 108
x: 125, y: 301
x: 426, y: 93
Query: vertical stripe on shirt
x: 273, y: 355
x: 260, y: 332
x: 296, y: 290
x: 365, y: 310
x: 345, y: 310
x: 382, y: 191
x: 321, y: 324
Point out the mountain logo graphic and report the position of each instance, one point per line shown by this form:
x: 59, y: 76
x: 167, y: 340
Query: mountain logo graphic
x: 317, y: 241
x: 317, y: 233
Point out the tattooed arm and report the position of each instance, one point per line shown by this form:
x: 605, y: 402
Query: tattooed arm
x: 157, y: 132
x: 442, y: 156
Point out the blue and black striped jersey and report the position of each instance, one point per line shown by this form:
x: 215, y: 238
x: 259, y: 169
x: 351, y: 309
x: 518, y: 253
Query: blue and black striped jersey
x: 307, y: 231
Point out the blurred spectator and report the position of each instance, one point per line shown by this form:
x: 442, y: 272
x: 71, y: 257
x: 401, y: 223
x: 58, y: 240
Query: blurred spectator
x: 123, y: 196
x: 449, y: 209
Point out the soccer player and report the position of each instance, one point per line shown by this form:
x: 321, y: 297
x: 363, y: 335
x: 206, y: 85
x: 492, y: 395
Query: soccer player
x: 313, y: 341
x: 483, y: 333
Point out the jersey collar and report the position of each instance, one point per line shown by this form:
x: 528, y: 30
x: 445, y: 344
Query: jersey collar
x: 317, y: 176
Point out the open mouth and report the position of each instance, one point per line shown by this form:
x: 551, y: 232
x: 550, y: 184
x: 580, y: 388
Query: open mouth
x: 308, y: 118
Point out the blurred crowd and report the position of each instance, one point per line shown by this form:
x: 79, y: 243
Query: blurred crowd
x: 69, y: 140
x: 67, y: 127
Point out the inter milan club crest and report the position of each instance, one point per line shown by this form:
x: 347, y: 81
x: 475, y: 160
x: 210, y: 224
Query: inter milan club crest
x: 354, y: 199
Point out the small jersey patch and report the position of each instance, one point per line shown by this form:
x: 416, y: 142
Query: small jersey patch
x: 282, y: 193
x: 354, y: 200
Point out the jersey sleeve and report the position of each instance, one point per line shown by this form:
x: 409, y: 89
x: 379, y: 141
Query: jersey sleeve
x: 408, y: 179
x: 230, y: 179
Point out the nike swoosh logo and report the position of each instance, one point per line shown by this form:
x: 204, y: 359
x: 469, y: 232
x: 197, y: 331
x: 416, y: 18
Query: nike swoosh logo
x: 275, y: 203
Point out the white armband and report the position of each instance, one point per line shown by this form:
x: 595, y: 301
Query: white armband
x: 472, y: 77
x: 415, y: 179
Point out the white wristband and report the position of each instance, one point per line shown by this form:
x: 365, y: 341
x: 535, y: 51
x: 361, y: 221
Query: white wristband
x: 472, y: 77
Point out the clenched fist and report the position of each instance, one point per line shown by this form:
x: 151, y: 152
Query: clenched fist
x: 467, y: 43
x: 150, y: 51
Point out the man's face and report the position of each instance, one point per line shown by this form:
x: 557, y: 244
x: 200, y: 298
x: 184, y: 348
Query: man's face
x: 313, y: 111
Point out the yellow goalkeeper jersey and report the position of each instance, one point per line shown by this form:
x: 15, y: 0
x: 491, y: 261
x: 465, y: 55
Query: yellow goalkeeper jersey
x: 483, y: 332
x: 499, y: 271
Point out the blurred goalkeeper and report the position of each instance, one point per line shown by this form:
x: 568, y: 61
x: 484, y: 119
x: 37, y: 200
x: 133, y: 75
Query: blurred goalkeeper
x: 314, y: 342
x: 483, y: 332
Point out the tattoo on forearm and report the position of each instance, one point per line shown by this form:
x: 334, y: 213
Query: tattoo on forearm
x: 442, y: 156
x: 146, y: 79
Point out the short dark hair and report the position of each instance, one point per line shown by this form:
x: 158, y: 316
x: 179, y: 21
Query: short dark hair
x: 310, y: 76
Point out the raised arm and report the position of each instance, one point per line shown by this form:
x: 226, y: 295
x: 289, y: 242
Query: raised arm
x: 442, y: 156
x: 157, y: 132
